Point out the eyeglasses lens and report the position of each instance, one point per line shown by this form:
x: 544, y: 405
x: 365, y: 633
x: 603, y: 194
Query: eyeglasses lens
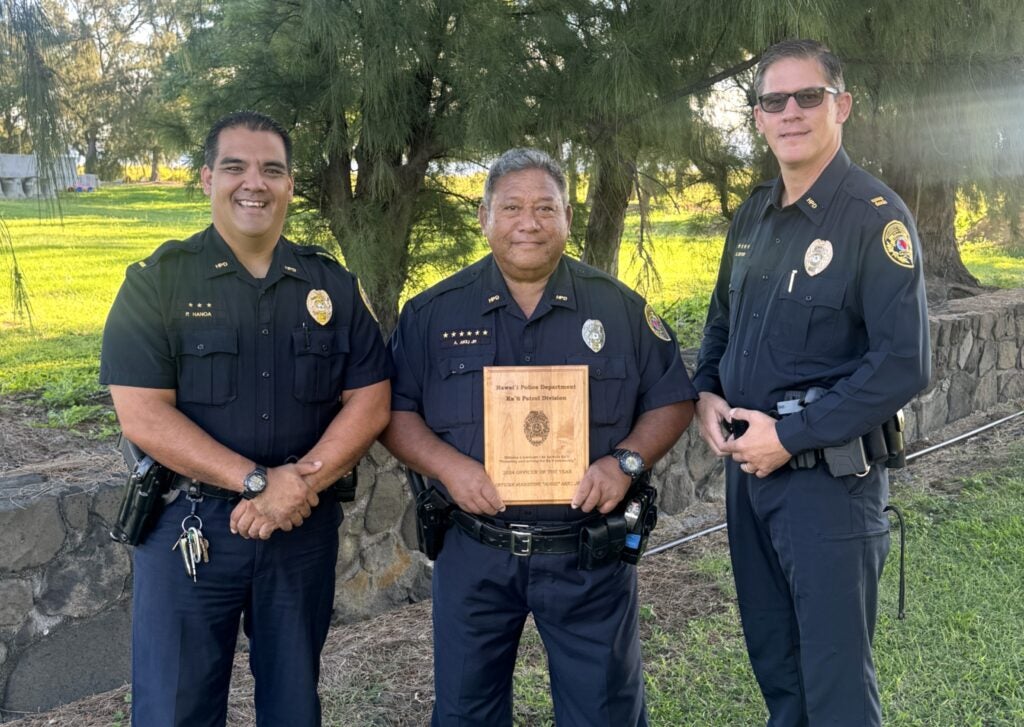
x: 806, y: 98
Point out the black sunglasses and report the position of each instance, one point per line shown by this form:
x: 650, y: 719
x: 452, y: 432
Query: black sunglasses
x: 806, y: 98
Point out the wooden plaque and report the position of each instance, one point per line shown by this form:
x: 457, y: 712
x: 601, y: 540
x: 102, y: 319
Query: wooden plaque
x: 536, y: 431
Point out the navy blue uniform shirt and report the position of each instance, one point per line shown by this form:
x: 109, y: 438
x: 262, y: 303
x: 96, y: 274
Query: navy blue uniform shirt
x: 826, y: 292
x: 447, y: 334
x: 249, y: 363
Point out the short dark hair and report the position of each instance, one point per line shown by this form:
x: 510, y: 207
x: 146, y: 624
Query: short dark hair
x: 803, y: 48
x: 251, y: 120
x: 519, y: 159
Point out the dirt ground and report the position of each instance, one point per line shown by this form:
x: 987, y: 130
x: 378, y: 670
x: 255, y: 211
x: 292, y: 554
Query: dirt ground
x: 378, y: 672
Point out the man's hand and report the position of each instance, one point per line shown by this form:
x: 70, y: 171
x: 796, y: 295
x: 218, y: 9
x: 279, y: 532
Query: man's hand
x: 712, y: 412
x: 468, y: 484
x: 247, y: 522
x: 759, y: 450
x: 603, y: 486
x: 285, y: 503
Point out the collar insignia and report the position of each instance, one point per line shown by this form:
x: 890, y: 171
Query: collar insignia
x: 494, y: 298
x: 811, y: 203
x: 221, y: 265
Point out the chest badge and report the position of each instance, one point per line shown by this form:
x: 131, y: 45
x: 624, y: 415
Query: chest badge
x: 817, y: 257
x: 655, y: 324
x: 319, y: 305
x: 593, y: 335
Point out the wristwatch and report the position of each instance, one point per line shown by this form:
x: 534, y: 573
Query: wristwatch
x: 630, y: 462
x: 254, y: 483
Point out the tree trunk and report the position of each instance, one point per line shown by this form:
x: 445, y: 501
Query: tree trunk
x: 933, y: 204
x: 154, y: 165
x: 611, y: 183
x: 92, y: 155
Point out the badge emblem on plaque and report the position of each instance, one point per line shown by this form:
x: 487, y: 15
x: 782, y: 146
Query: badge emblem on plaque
x: 536, y: 427
x: 319, y: 305
x: 817, y: 257
x: 593, y: 335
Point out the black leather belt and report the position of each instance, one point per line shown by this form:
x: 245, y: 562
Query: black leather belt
x: 521, y: 539
x: 181, y: 482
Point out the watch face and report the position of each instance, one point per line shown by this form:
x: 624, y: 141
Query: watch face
x: 255, y: 481
x: 631, y: 463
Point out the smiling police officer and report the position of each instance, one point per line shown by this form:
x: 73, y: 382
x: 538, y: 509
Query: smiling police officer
x: 816, y: 335
x: 249, y: 366
x: 526, y: 304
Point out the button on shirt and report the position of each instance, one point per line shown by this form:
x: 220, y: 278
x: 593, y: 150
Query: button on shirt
x: 249, y: 362
x: 822, y: 292
x: 447, y: 334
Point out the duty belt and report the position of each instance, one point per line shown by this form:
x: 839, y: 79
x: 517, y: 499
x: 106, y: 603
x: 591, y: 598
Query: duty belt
x: 521, y: 539
x: 187, y: 484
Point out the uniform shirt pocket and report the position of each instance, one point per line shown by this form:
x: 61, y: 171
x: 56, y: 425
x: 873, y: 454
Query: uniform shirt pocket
x: 455, y: 397
x: 607, y: 383
x: 809, y: 318
x: 207, y: 365
x: 320, y: 356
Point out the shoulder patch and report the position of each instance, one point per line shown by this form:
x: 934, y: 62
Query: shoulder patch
x: 655, y: 324
x: 897, y: 244
x: 366, y: 302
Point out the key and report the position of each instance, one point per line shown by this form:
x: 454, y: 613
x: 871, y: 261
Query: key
x: 182, y: 544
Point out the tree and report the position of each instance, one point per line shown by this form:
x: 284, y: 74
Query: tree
x: 26, y: 39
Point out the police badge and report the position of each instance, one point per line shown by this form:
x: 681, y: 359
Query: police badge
x: 318, y: 303
x: 817, y: 257
x: 593, y: 335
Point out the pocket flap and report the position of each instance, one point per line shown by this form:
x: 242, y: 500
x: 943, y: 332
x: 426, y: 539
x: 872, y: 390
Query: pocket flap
x: 320, y: 341
x: 601, y: 367
x: 457, y: 365
x: 208, y: 341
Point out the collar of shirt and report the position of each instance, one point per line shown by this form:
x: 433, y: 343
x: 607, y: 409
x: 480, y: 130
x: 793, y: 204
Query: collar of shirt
x: 815, y: 202
x: 559, y: 292
x: 221, y: 260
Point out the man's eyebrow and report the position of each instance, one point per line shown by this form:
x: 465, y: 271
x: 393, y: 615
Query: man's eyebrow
x: 230, y: 160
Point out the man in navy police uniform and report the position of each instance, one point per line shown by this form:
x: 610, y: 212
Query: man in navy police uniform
x: 820, y: 287
x: 250, y: 366
x: 526, y: 304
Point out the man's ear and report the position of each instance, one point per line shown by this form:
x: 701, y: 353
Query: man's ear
x: 206, y: 177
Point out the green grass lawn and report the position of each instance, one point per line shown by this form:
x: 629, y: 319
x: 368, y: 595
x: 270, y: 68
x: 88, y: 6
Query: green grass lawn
x: 73, y: 267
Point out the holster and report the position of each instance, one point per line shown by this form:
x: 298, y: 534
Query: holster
x: 142, y: 500
x: 623, y: 533
x: 345, y: 488
x: 433, y: 515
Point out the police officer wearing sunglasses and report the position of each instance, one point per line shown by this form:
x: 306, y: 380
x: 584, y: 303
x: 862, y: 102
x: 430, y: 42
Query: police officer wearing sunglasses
x: 816, y: 335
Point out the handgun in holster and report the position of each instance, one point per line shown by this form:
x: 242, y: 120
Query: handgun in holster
x: 142, y: 500
x: 433, y: 515
x: 345, y: 488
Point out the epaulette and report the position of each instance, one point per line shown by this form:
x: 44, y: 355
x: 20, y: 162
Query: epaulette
x: 875, y: 194
x: 169, y: 248
x: 583, y: 270
x: 309, y: 250
x: 459, y: 280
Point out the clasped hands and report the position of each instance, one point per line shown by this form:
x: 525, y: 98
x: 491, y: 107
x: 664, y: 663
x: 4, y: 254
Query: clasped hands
x: 758, y: 451
x: 286, y: 503
x: 602, y: 487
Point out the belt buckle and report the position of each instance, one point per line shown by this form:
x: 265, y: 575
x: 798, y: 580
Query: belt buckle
x: 522, y: 539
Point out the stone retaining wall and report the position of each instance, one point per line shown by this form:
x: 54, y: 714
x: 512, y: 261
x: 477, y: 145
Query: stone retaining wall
x: 65, y: 587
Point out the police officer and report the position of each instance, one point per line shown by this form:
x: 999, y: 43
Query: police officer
x: 527, y: 304
x: 250, y: 366
x: 816, y: 335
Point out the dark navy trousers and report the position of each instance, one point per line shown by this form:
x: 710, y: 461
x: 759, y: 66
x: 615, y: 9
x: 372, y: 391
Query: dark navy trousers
x: 807, y: 553
x: 184, y: 633
x: 588, y: 621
